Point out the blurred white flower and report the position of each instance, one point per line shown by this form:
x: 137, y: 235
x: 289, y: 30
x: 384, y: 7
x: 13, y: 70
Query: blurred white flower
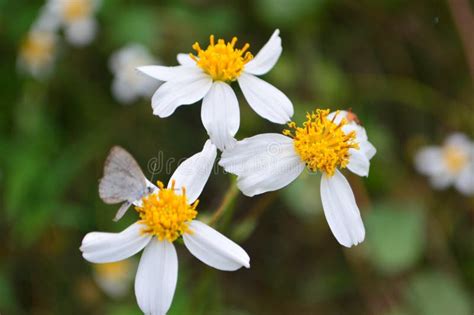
x: 165, y: 215
x: 129, y: 84
x: 77, y: 17
x: 47, y: 19
x: 115, y: 278
x: 208, y: 75
x: 37, y: 53
x: 326, y: 142
x: 449, y: 164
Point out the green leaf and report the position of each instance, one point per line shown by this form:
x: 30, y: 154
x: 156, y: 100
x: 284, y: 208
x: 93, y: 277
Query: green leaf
x: 134, y: 24
x: 302, y: 196
x: 395, y: 236
x: 435, y: 293
x: 286, y: 12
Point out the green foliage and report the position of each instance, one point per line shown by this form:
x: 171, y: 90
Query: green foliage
x: 287, y: 12
x: 395, y: 236
x: 435, y: 293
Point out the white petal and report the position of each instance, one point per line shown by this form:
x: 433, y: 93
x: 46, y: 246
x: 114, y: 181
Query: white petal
x: 465, y: 181
x: 121, y: 91
x: 368, y: 149
x: 82, y: 32
x: 193, y: 173
x: 265, y: 99
x: 266, y: 57
x: 177, y: 73
x: 459, y: 140
x: 358, y: 163
x: 337, y: 118
x: 156, y: 277
x: 214, y: 249
x: 185, y: 60
x: 361, y: 134
x: 442, y: 180
x: 220, y: 114
x: 173, y: 94
x: 429, y: 161
x: 263, y: 163
x: 100, y: 247
x: 341, y: 210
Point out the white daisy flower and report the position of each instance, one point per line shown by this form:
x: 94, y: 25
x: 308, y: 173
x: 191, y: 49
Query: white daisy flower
x: 115, y: 278
x: 326, y: 142
x: 165, y: 215
x: 449, y: 164
x: 208, y: 75
x: 37, y: 53
x: 128, y: 84
x: 77, y: 18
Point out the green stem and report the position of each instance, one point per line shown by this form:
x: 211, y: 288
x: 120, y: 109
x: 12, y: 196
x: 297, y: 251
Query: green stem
x: 227, y: 201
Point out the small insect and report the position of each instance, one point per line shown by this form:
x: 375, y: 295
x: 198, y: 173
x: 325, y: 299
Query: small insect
x: 123, y: 181
x: 351, y: 116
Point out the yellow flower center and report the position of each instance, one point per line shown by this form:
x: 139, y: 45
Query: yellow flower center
x: 77, y: 9
x: 38, y: 48
x: 222, y: 61
x: 454, y: 158
x: 166, y: 213
x: 321, y: 143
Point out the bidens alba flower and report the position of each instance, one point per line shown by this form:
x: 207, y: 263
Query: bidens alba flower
x: 128, y: 84
x: 166, y: 214
x: 116, y: 278
x: 326, y: 142
x: 449, y: 164
x: 77, y: 18
x: 208, y: 75
x: 37, y: 53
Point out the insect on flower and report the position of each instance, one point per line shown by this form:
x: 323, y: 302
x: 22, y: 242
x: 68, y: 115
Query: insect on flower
x: 326, y: 142
x: 208, y: 74
x: 123, y: 181
x: 165, y: 214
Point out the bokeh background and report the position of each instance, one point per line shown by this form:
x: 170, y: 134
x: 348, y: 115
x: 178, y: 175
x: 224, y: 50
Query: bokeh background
x: 405, y: 67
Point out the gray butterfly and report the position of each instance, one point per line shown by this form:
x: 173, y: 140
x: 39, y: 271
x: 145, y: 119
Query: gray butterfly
x: 123, y: 181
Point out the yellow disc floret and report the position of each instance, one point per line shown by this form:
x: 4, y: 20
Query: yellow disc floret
x: 38, y: 48
x: 166, y: 213
x: 321, y: 143
x: 454, y: 158
x: 222, y: 61
x: 77, y: 9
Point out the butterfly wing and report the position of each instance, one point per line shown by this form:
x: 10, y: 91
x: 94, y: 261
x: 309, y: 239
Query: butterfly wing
x: 122, y: 210
x: 123, y: 179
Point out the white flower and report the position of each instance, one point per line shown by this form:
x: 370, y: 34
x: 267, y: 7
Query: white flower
x: 208, y: 76
x: 47, y: 19
x: 326, y: 142
x: 165, y: 215
x: 449, y: 164
x: 37, y: 53
x: 128, y: 84
x: 115, y: 278
x: 77, y: 18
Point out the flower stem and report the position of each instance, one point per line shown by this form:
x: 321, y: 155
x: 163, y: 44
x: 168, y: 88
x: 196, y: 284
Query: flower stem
x: 227, y: 201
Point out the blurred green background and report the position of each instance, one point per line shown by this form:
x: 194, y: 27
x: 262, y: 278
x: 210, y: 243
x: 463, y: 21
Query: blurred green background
x: 401, y: 65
